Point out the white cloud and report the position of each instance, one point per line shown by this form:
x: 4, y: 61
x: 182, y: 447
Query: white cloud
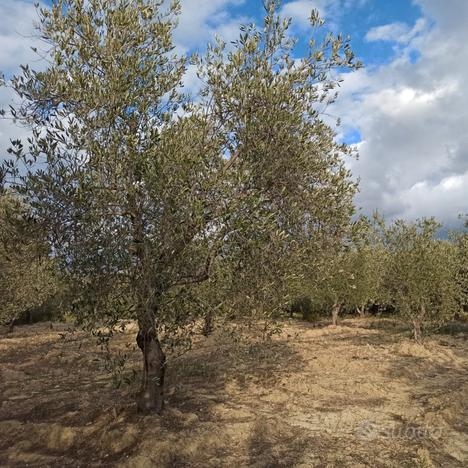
x: 199, y: 22
x: 17, y: 33
x: 397, y: 32
x: 448, y: 197
x: 388, y: 32
x: 413, y: 120
x: 17, y: 36
x: 201, y: 19
x: 300, y: 10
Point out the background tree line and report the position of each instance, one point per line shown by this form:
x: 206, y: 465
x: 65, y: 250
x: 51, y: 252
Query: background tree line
x: 401, y: 266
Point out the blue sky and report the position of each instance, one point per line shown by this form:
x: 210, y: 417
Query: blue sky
x: 354, y: 19
x: 406, y: 111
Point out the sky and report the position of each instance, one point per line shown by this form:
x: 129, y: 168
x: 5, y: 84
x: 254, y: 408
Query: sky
x: 406, y: 111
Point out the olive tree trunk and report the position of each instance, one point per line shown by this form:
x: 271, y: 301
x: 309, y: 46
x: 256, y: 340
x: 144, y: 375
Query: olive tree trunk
x: 417, y: 334
x: 417, y: 324
x: 150, y: 399
x: 208, y: 326
x: 13, y: 321
x: 335, y: 312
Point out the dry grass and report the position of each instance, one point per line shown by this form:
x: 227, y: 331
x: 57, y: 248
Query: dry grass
x: 359, y: 394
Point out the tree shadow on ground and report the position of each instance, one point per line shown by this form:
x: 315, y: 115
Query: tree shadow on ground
x: 431, y: 378
x: 454, y: 328
x: 382, y: 337
x: 436, y: 380
x: 58, y: 406
x: 198, y: 380
x: 271, y: 445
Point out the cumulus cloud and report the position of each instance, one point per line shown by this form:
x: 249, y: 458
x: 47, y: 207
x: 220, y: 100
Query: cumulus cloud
x: 413, y: 119
x: 449, y: 192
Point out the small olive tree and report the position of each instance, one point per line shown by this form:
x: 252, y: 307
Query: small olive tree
x: 146, y: 196
x: 367, y: 262
x: 421, y: 275
x: 342, y: 272
x: 327, y: 278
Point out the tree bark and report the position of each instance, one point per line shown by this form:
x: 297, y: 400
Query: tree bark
x: 417, y: 322
x: 11, y: 325
x: 208, y: 327
x: 150, y: 398
x: 417, y: 330
x: 335, y: 312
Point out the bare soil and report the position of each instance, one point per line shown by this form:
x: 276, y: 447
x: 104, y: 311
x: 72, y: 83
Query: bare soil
x: 357, y: 395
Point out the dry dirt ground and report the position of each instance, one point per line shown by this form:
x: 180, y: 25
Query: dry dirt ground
x: 359, y: 394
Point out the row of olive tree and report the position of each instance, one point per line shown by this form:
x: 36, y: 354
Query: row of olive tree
x: 147, y: 196
x: 403, y: 265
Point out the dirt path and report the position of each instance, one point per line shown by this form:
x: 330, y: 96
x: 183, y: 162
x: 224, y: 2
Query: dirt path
x: 359, y: 394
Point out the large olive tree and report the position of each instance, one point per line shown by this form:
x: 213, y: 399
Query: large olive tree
x: 146, y: 195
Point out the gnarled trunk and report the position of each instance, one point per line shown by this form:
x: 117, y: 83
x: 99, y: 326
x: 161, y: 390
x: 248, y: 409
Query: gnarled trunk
x: 150, y: 398
x: 335, y: 312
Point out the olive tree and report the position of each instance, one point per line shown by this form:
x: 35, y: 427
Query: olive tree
x: 147, y: 194
x: 421, y: 274
x: 339, y: 272
x: 332, y: 281
x: 367, y: 262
